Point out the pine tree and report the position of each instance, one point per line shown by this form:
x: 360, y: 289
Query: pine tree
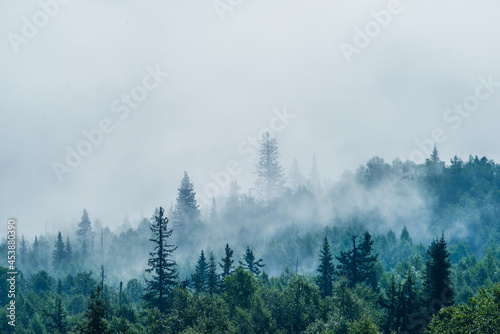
x: 296, y: 179
x: 23, y: 252
x: 438, y: 287
x: 200, y: 276
x: 405, y: 236
x: 85, y: 232
x: 270, y: 179
x: 69, y: 251
x: 213, y: 281
x: 94, y: 321
x: 164, y: 269
x: 213, y: 212
x: 314, y: 182
x: 186, y: 211
x: 227, y: 262
x: 350, y: 263
x: 408, y: 304
x: 390, y: 302
x: 59, y: 254
x: 368, y: 261
x: 57, y: 318
x: 231, y: 211
x: 250, y: 264
x: 35, y: 251
x: 326, y: 271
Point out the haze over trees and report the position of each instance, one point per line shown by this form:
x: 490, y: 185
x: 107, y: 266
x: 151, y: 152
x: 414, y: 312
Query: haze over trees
x: 390, y: 248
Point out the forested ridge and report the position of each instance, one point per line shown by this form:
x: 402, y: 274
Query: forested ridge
x: 390, y: 248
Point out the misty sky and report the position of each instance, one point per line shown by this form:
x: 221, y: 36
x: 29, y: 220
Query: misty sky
x: 227, y: 80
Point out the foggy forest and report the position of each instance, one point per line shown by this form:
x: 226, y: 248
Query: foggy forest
x: 249, y: 167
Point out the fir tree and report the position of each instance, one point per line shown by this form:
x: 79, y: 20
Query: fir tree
x: 438, y: 287
x: 314, y: 182
x: 296, y: 179
x: 368, y: 261
x: 164, y: 269
x: 405, y: 236
x: 69, y: 251
x: 390, y: 302
x: 186, y: 211
x: 326, y: 271
x: 227, y: 262
x: 200, y: 276
x: 270, y: 180
x: 408, y: 304
x: 250, y: 264
x: 59, y: 254
x: 23, y: 252
x: 57, y: 318
x: 94, y: 321
x: 213, y: 212
x: 85, y: 232
x: 213, y: 282
x: 350, y: 263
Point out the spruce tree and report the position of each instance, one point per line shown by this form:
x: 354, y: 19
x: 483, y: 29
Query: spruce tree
x: 438, y: 287
x: 57, y: 317
x: 326, y: 270
x: 314, y: 182
x: 85, y: 232
x: 200, y: 275
x: 23, y: 252
x: 250, y: 264
x: 164, y: 278
x: 408, y: 304
x: 186, y: 212
x: 227, y: 262
x: 69, y: 251
x: 296, y: 179
x: 350, y: 264
x: 270, y: 179
x: 213, y: 212
x: 213, y: 281
x: 390, y: 302
x: 59, y: 254
x: 94, y: 321
x: 368, y: 261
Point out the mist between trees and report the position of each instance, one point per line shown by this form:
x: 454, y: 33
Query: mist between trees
x: 377, y: 236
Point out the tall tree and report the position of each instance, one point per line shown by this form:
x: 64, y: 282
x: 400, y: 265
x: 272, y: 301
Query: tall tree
x: 160, y: 286
x: 250, y: 263
x: 213, y: 212
x: 23, y: 252
x: 390, y: 302
x: 227, y: 262
x: 200, y: 275
x: 186, y: 212
x: 408, y: 304
x: 270, y: 179
x: 59, y: 253
x: 296, y: 179
x: 368, y: 261
x: 350, y: 264
x: 438, y: 287
x: 85, y: 232
x: 326, y: 270
x: 314, y: 182
x: 213, y: 281
x: 57, y: 318
x: 69, y: 250
x: 94, y: 321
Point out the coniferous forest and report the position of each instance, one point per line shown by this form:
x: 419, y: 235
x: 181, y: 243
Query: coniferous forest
x: 392, y: 247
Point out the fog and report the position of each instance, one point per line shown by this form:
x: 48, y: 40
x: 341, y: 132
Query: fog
x: 228, y: 80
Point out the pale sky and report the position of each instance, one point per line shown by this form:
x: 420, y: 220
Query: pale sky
x: 227, y: 81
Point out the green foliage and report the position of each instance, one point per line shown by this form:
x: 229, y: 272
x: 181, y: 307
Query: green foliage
x: 482, y: 315
x: 326, y: 270
x: 250, y: 263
